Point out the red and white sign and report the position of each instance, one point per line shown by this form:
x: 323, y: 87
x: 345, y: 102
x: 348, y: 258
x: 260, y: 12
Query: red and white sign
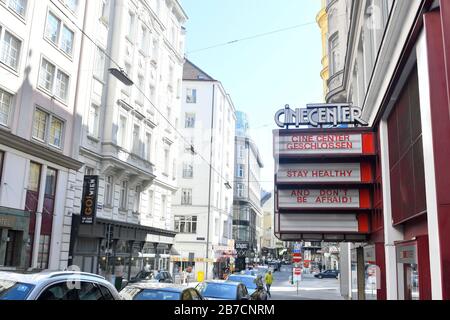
x: 323, y: 199
x: 296, y: 259
x: 299, y: 144
x: 324, y: 172
x: 323, y: 223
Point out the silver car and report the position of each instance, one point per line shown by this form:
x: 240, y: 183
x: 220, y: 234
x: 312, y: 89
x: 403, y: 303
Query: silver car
x: 59, y: 285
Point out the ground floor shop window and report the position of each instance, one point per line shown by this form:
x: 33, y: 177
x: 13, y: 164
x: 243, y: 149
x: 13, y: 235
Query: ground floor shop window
x: 43, y: 253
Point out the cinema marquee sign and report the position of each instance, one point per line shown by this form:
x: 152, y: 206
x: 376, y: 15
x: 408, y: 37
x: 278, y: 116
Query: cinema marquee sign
x: 298, y: 173
x: 320, y: 115
x: 323, y: 199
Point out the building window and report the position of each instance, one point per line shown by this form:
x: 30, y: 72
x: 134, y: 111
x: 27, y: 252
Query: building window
x: 166, y: 161
x: 6, y: 100
x: 71, y: 4
x: 109, y: 190
x: 191, y: 95
x: 240, y: 171
x: 105, y: 11
x: 217, y: 227
x: 124, y: 195
x: 130, y: 26
x: 136, y: 139
x: 141, y: 91
x: 58, y: 33
x: 53, y: 80
x: 163, y: 206
x: 18, y: 6
x: 188, y: 171
x: 190, y: 120
x: 34, y: 177
x: 186, y: 224
x: 148, y: 146
x: 143, y: 42
x: 334, y: 54
x: 88, y: 171
x: 43, y: 253
x: 137, y: 199
x: 94, y: 116
x: 100, y: 64
x: 186, y: 197
x: 240, y: 190
x: 47, y: 128
x: 10, y: 49
x: 121, y: 135
x: 50, y: 183
x: 150, y: 202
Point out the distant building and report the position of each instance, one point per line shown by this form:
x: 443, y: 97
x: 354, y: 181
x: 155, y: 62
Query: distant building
x: 203, y: 203
x: 247, y: 193
x: 272, y: 247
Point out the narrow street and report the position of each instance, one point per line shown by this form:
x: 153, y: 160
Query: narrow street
x: 309, y: 289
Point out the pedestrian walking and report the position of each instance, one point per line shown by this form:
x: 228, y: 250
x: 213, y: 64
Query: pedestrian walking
x: 269, y: 281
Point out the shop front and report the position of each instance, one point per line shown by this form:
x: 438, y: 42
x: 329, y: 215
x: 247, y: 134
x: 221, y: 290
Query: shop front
x: 118, y: 251
x: 14, y: 238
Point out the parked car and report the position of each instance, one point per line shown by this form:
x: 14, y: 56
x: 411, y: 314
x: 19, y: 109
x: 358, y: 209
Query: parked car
x: 250, y: 282
x: 153, y: 276
x: 60, y: 285
x: 159, y: 291
x: 328, y: 274
x: 223, y: 290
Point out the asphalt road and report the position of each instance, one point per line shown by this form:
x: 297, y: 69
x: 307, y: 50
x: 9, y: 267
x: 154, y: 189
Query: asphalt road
x: 309, y: 288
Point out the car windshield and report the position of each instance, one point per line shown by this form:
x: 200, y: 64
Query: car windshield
x: 218, y: 290
x: 248, y: 281
x: 11, y: 290
x: 130, y: 293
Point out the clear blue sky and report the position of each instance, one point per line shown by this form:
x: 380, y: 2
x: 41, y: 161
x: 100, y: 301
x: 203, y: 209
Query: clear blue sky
x: 262, y: 74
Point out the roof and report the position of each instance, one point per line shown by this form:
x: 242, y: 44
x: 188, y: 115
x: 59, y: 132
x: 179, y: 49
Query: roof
x: 33, y: 278
x: 234, y: 283
x: 158, y: 286
x: 192, y: 72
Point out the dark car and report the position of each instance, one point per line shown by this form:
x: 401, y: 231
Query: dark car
x: 223, y: 290
x: 159, y: 291
x: 328, y: 274
x: 154, y: 276
x: 250, y: 282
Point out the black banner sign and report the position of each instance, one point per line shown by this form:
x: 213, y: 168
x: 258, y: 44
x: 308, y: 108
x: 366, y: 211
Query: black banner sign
x: 89, y: 200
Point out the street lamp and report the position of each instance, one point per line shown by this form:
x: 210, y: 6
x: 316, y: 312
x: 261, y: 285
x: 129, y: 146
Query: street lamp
x: 121, y: 76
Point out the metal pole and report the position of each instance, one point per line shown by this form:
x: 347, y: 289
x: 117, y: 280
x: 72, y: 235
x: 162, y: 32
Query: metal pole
x: 210, y: 186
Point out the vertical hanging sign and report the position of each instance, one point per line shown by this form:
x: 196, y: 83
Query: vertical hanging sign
x: 89, y: 200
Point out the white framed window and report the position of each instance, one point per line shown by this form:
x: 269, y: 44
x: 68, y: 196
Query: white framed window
x: 104, y: 11
x: 191, y: 95
x: 240, y: 190
x: 47, y: 128
x: 94, y: 117
x: 155, y: 49
x: 163, y: 206
x: 130, y: 26
x: 166, y: 161
x: 148, y: 146
x: 334, y: 53
x: 18, y: 6
x: 122, y: 132
x: 137, y: 199
x: 136, y: 139
x: 54, y: 80
x: 124, y: 195
x: 143, y: 45
x: 59, y: 33
x: 100, y: 64
x: 10, y: 47
x: 71, y: 4
x: 6, y: 101
x: 150, y: 202
x: 240, y: 171
x: 141, y: 90
x: 188, y: 170
x: 190, y: 120
x: 186, y: 224
x: 186, y: 197
x: 109, y: 190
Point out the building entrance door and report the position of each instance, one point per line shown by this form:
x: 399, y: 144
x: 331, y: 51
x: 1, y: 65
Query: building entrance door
x: 11, y: 248
x: 411, y: 275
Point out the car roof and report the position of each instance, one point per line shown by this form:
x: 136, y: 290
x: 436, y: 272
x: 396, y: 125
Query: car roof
x: 243, y: 276
x: 34, y: 278
x: 234, y: 283
x: 158, y: 286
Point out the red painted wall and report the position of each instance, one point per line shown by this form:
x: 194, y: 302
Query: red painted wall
x: 440, y: 123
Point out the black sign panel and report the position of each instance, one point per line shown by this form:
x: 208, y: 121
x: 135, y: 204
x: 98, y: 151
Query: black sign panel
x: 89, y: 200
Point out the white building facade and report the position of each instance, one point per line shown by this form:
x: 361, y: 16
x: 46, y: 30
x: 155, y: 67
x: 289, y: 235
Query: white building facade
x: 39, y: 58
x: 204, y: 201
x: 128, y: 134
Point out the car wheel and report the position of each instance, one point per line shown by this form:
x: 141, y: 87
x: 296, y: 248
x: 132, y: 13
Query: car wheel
x: 320, y: 277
